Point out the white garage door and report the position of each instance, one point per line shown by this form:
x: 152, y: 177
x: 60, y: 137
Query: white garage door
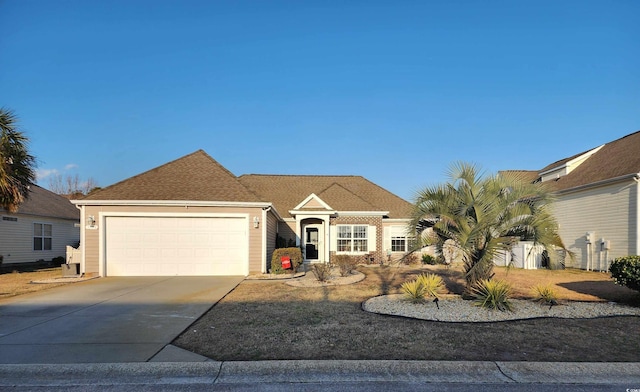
x: 169, y: 246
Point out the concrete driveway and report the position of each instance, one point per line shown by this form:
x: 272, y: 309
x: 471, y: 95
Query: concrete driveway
x: 106, y: 319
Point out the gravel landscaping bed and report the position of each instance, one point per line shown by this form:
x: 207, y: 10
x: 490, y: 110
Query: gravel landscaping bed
x: 455, y: 309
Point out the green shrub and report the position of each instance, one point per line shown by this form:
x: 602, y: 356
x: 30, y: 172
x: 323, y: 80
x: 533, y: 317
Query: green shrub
x: 59, y: 260
x: 545, y: 294
x: 345, y: 263
x: 626, y: 271
x: 492, y: 294
x: 428, y: 259
x: 414, y: 291
x: 276, y: 262
x: 432, y: 283
x: 321, y: 271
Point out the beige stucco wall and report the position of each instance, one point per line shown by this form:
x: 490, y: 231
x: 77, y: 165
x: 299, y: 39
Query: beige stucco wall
x: 610, y: 211
x: 91, y: 240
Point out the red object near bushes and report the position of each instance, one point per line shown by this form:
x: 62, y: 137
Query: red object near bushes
x: 286, y: 262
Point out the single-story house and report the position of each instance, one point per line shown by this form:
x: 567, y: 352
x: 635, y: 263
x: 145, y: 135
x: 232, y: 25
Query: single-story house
x: 192, y: 216
x: 597, y: 203
x: 41, y: 229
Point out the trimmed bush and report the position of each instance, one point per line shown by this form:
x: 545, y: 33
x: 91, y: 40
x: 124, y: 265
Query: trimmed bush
x: 59, y: 260
x: 545, y: 293
x: 321, y: 271
x: 432, y: 283
x: 626, y: 271
x: 345, y: 263
x: 295, y: 254
x: 492, y: 294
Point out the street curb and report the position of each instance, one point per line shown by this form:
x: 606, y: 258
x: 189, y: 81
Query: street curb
x: 308, y: 371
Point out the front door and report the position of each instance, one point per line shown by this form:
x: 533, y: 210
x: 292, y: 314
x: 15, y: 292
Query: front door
x: 312, y: 242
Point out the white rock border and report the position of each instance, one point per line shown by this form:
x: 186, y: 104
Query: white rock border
x: 455, y: 309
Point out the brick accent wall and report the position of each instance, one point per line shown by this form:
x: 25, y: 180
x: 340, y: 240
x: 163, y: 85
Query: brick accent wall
x: 376, y: 221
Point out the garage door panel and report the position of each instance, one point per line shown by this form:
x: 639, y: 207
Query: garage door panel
x: 169, y: 246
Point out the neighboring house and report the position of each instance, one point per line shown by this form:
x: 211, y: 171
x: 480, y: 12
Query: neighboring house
x: 192, y: 216
x: 41, y: 229
x: 597, y: 202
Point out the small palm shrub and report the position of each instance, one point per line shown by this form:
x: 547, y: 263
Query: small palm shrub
x: 322, y: 271
x: 626, y: 271
x: 345, y: 263
x: 432, y: 283
x: 414, y: 291
x: 545, y: 293
x: 492, y: 294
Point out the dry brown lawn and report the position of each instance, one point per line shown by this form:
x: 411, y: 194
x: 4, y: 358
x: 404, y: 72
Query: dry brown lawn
x: 263, y: 320
x: 17, y: 280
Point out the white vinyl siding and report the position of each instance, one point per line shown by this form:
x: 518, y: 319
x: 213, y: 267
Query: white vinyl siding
x: 611, y: 212
x: 17, y: 238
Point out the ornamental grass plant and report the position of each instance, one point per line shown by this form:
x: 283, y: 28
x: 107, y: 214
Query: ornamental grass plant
x: 492, y: 294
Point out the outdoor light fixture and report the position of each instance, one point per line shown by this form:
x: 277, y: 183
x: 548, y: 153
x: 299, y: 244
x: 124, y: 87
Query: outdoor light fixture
x: 91, y: 221
x: 256, y: 222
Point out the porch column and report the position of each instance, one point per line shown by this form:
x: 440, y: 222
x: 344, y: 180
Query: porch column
x: 298, y: 231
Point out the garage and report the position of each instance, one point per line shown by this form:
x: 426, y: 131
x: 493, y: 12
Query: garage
x: 175, y: 246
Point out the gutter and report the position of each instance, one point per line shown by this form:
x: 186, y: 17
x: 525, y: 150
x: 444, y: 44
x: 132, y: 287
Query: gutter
x: 632, y: 176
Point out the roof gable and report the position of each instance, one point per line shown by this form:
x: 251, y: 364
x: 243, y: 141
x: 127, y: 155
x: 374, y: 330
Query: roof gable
x: 345, y: 200
x: 42, y: 202
x: 195, y: 177
x: 342, y: 193
x: 313, y: 202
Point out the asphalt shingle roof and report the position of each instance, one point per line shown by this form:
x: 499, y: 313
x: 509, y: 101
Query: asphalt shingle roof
x: 342, y: 193
x: 42, y: 202
x: 196, y: 177
x: 199, y: 177
x: 615, y: 159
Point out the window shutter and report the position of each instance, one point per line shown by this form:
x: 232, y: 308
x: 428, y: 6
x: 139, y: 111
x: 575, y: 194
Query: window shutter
x: 387, y: 239
x: 333, y: 238
x: 371, y: 240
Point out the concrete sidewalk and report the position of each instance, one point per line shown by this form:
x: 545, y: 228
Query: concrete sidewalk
x: 293, y: 372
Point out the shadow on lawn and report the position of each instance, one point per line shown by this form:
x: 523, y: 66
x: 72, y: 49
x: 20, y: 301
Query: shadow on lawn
x: 606, y: 290
x: 27, y: 267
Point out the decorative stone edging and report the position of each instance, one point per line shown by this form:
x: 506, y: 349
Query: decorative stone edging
x: 455, y: 309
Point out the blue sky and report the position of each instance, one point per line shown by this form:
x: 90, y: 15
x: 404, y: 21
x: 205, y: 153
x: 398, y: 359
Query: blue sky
x: 394, y: 91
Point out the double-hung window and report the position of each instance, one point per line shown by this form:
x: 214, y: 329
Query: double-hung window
x: 402, y: 244
x: 400, y: 240
x: 352, y: 238
x: 42, y: 236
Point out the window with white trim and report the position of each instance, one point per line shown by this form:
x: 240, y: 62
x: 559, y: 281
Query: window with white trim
x: 352, y: 238
x: 400, y: 240
x: 42, y: 236
x: 402, y: 244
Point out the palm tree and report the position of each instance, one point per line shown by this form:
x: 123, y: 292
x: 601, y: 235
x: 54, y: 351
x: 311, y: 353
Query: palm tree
x: 483, y: 215
x: 17, y: 166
